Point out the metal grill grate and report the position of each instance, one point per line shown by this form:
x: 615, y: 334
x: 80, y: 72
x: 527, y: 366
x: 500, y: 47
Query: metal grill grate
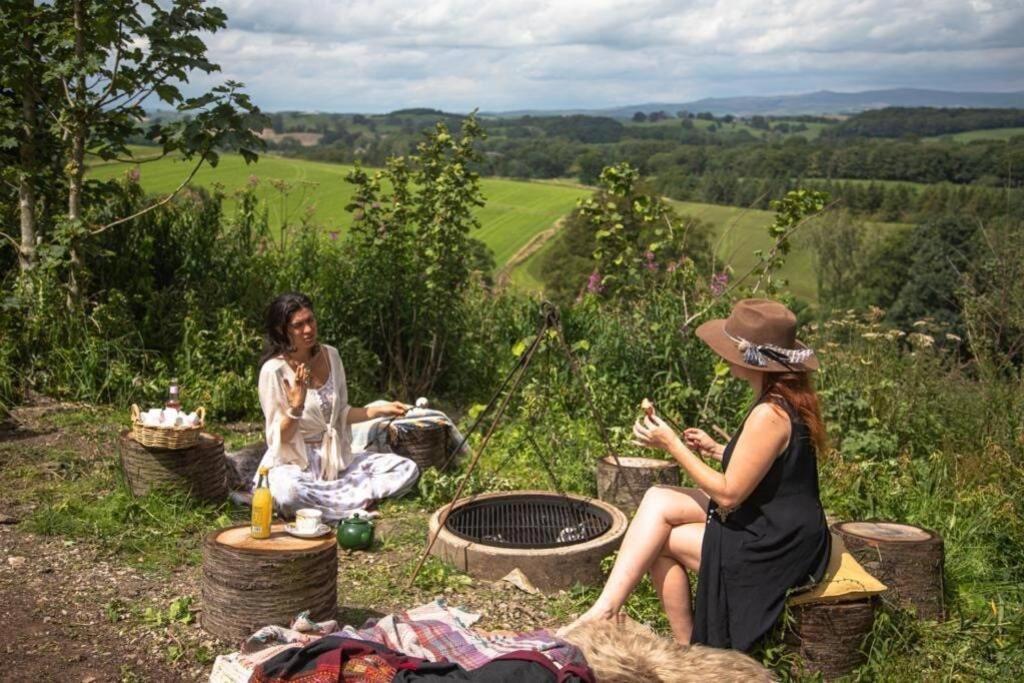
x: 532, y: 521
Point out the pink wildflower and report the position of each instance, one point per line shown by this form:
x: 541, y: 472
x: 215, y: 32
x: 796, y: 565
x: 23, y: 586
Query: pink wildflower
x: 718, y: 283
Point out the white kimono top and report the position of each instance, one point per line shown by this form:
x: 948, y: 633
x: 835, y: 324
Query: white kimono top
x: 334, y: 428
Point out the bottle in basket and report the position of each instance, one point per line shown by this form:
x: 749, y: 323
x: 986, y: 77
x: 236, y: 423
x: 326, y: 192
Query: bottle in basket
x: 262, y: 507
x: 173, y: 395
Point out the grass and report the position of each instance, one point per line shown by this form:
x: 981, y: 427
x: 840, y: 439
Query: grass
x: 514, y: 213
x: 738, y: 233
x: 515, y: 210
x: 75, y: 490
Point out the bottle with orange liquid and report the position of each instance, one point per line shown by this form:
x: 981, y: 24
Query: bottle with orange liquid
x: 262, y: 507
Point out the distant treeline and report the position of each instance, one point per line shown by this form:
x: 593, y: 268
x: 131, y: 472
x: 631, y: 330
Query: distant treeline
x: 729, y: 160
x: 893, y: 202
x: 988, y: 162
x: 895, y: 122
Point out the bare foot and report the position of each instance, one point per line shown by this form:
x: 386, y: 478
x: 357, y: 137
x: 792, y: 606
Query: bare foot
x: 597, y: 612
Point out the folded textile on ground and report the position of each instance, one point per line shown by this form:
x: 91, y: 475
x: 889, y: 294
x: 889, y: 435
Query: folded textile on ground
x: 434, y: 632
x: 336, y: 658
x: 372, y: 435
x: 437, y: 632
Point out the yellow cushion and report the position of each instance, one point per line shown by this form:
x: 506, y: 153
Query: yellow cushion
x: 845, y: 579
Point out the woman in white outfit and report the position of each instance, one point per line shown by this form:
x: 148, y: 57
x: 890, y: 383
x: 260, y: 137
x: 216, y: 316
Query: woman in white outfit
x: 305, y: 402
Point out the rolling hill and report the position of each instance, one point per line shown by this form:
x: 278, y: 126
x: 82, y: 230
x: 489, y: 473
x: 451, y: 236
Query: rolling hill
x: 516, y: 211
x: 293, y: 189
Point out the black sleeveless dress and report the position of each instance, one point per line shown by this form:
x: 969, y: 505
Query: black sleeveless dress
x: 774, y: 541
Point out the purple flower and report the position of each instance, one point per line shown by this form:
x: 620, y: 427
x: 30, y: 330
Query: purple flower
x: 333, y: 235
x: 718, y: 283
x: 594, y: 285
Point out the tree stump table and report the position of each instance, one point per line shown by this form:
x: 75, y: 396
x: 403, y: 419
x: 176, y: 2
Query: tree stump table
x: 907, y: 559
x: 623, y: 484
x: 250, y: 583
x: 197, y: 470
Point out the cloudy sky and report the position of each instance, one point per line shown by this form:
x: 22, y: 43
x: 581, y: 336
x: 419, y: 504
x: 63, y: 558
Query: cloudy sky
x: 379, y: 55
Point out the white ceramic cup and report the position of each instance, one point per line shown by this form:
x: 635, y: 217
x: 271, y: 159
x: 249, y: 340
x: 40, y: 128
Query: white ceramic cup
x: 307, y: 520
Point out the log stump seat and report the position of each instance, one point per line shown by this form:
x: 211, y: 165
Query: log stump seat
x: 829, y: 636
x: 624, y: 483
x: 249, y: 583
x: 198, y: 470
x: 907, y: 559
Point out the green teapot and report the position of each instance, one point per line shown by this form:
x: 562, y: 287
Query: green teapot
x: 355, y: 533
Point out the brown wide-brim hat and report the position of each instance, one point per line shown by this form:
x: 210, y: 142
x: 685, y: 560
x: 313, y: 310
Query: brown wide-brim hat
x: 759, y: 334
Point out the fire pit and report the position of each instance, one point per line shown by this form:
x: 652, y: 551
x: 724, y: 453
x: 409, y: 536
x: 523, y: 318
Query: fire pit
x: 556, y: 540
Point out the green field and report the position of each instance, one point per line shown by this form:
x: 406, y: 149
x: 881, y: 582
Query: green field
x: 515, y: 210
x: 989, y: 134
x: 738, y: 233
x: 514, y: 213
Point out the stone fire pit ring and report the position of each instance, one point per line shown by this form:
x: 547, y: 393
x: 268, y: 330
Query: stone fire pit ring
x: 549, y: 569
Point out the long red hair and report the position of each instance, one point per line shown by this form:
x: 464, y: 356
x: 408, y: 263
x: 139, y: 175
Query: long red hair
x: 797, y: 389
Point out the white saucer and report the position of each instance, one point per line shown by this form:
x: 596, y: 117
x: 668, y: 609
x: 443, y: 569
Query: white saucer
x: 322, y: 530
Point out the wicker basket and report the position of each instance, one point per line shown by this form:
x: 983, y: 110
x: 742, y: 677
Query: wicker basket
x: 426, y: 445
x: 169, y: 438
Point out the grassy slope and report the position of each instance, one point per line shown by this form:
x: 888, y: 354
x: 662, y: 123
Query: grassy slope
x: 738, y: 233
x: 515, y: 211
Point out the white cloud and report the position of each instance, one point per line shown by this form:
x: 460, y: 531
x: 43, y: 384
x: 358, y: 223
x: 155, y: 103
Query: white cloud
x: 358, y: 55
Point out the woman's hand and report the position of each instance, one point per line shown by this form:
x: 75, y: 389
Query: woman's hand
x: 698, y: 440
x: 651, y: 432
x: 297, y: 393
x: 392, y: 409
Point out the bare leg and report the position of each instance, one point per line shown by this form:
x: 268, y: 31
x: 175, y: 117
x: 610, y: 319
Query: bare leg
x: 668, y: 573
x: 662, y: 509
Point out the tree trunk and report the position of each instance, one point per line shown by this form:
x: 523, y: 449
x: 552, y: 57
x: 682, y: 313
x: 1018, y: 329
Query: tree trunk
x: 909, y: 560
x: 27, y: 157
x: 248, y: 584
x: 76, y: 165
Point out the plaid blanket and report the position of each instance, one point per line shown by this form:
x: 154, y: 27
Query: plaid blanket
x: 436, y: 632
x: 334, y: 659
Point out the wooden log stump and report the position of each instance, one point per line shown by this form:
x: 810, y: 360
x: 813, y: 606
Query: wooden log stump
x: 425, y: 444
x: 198, y: 470
x: 907, y: 559
x: 249, y: 583
x: 624, y: 484
x: 829, y: 636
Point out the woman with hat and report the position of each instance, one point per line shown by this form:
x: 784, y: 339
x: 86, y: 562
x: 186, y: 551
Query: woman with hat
x: 753, y: 532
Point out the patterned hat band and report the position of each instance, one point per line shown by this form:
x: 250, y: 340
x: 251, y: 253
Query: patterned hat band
x: 760, y: 354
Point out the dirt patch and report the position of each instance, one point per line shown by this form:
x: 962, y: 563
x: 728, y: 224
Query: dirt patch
x: 67, y: 614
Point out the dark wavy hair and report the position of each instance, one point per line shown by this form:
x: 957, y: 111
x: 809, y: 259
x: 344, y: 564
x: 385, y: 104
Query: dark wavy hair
x: 278, y: 313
